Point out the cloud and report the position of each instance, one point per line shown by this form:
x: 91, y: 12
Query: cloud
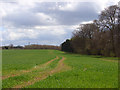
x: 27, y: 19
x: 51, y: 34
x: 45, y: 22
x: 48, y: 14
x: 31, y: 14
x: 87, y: 22
x: 68, y: 13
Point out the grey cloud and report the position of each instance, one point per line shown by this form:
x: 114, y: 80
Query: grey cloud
x: 24, y: 19
x: 83, y: 12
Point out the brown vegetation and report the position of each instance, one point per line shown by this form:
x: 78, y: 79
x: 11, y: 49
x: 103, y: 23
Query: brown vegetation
x: 34, y: 46
x: 102, y: 37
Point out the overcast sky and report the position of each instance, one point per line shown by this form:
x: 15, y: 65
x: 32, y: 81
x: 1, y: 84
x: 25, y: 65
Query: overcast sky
x: 50, y: 23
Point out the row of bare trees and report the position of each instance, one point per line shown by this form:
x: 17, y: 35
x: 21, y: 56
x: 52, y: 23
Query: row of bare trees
x: 11, y: 46
x: 34, y: 46
x: 102, y: 37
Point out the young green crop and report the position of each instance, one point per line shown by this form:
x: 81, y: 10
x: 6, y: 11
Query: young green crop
x: 14, y: 61
x: 87, y: 71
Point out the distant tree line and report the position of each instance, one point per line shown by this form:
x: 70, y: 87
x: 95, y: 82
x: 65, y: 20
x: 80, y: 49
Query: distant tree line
x: 11, y: 46
x: 102, y: 37
x: 32, y: 46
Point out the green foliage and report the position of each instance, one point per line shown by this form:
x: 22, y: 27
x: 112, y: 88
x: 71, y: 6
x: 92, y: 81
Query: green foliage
x: 66, y: 46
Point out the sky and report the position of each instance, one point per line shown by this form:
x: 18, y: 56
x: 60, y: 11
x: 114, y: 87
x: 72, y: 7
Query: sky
x: 42, y: 22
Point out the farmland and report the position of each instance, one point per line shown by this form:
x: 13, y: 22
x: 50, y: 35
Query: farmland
x: 56, y: 69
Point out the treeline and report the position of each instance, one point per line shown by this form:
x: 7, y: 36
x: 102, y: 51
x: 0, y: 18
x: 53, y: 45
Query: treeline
x: 32, y: 46
x: 11, y: 46
x: 102, y: 37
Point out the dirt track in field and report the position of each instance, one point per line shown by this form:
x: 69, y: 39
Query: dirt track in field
x: 30, y: 70
x: 59, y: 68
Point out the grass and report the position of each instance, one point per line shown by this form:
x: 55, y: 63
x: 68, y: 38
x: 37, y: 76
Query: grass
x: 86, y: 71
x: 12, y: 81
x: 16, y: 60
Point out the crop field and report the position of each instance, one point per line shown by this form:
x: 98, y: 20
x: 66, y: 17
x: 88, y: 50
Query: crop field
x: 56, y: 69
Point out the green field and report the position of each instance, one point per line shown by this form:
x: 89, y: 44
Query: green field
x: 56, y: 69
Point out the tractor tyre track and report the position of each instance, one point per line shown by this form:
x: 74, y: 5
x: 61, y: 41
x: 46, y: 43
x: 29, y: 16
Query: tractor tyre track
x: 59, y: 68
x: 27, y: 71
